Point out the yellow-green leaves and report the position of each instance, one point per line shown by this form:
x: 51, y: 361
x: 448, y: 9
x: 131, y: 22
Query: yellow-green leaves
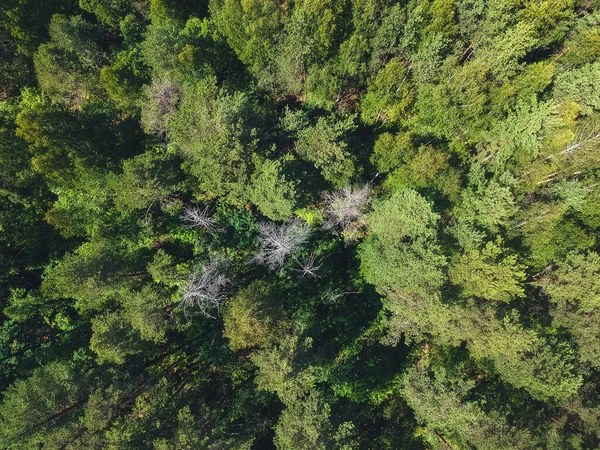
x: 488, y: 273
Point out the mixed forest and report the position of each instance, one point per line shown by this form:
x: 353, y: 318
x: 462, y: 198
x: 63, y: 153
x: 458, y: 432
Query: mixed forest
x: 299, y: 224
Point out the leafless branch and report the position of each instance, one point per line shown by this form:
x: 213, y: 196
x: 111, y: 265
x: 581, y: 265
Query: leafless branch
x: 197, y: 217
x: 207, y: 289
x: 309, y: 267
x: 346, y: 206
x: 277, y: 242
x: 332, y: 297
x: 580, y: 142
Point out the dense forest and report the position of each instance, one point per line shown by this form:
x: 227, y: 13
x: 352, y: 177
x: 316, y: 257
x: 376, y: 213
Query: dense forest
x: 299, y: 224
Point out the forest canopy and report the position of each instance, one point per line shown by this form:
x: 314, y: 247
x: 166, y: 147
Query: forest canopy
x: 299, y: 225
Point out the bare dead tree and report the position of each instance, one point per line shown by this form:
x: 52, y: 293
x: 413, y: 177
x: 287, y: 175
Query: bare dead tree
x: 277, y: 242
x: 207, y: 289
x: 581, y: 141
x: 309, y: 267
x: 197, y: 217
x: 161, y: 100
x: 346, y: 206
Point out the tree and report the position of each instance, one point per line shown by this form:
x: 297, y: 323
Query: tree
x: 392, y: 150
x: 15, y: 69
x: 161, y: 100
x: 145, y: 180
x: 580, y: 86
x: 450, y: 420
x: 161, y: 41
x: 213, y: 132
x: 65, y: 143
x: 68, y: 66
x: 401, y: 253
x: 573, y: 291
x: 50, y: 134
x: 26, y: 240
x: 251, y: 29
x: 113, y: 339
x: 42, y: 410
x: 197, y: 217
x: 583, y: 46
x: 549, y: 234
x: 124, y: 78
x: 299, y: 224
x: 253, y: 317
x: 489, y: 204
x: 93, y: 274
x: 522, y: 357
x: 270, y: 191
x: 148, y: 311
x: 101, y: 409
x: 428, y: 167
x: 488, y: 273
x: 304, y: 425
x: 110, y: 12
x: 27, y: 20
x: 518, y: 139
x: 324, y: 145
x: 292, y: 53
x: 389, y: 95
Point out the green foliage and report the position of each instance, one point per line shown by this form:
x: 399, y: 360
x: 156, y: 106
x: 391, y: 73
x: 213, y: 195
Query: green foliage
x: 441, y: 406
x: 108, y: 12
x: 92, y: 275
x: 210, y: 130
x: 162, y: 269
x: 428, y: 167
x: 67, y: 67
x: 423, y: 176
x: 573, y: 290
x: 303, y: 425
x: 549, y: 235
x: 523, y: 358
x: 27, y: 20
x: 101, y: 408
x: 124, y: 77
x: 146, y: 179
x: 269, y: 190
x: 580, y: 86
x: 147, y: 311
x: 112, y: 340
x: 487, y: 273
x: 489, y: 204
x: 390, y: 151
x: 388, y: 96
x: 324, y: 144
x: 15, y: 70
x: 251, y: 28
x: 401, y: 254
x: 40, y: 410
x: 251, y: 318
x: 583, y: 48
x: 519, y: 138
